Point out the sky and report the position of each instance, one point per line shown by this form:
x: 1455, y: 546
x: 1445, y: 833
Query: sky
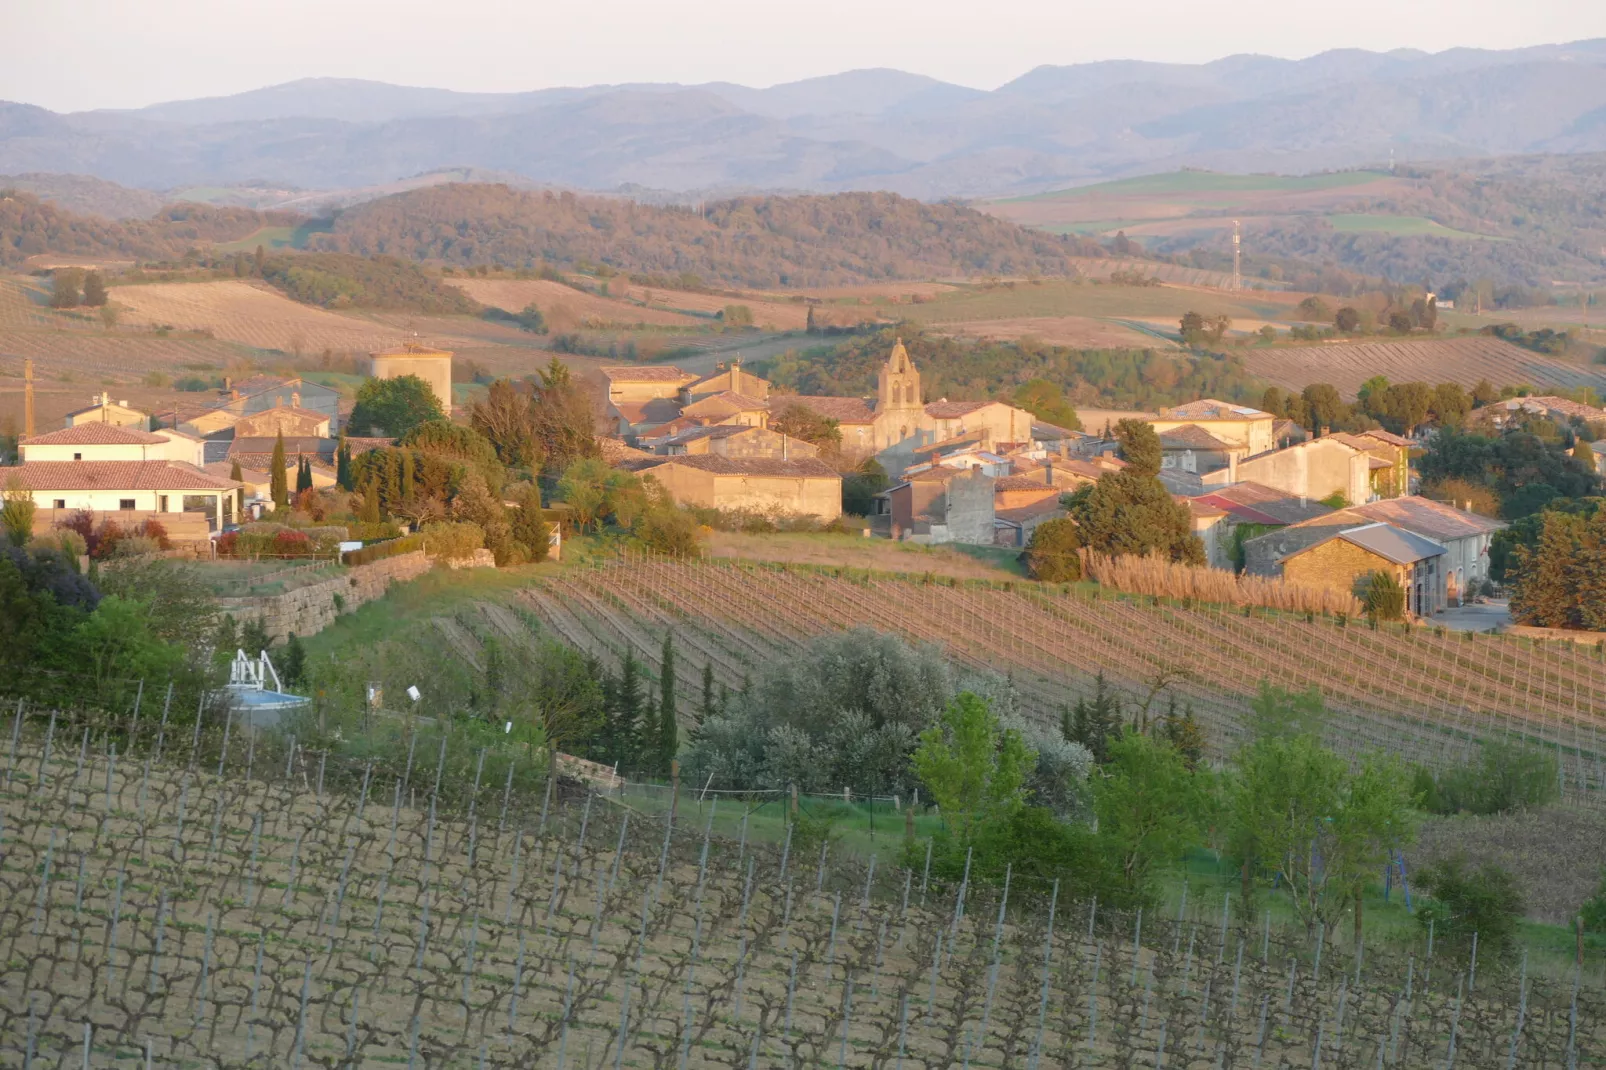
x: 129, y: 53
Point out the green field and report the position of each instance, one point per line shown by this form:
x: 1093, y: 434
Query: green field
x: 273, y: 238
x: 1403, y: 226
x: 1185, y: 182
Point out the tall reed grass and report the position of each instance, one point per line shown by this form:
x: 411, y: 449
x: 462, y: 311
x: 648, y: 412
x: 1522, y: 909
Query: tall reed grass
x: 1167, y: 579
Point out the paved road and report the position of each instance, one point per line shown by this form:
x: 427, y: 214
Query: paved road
x: 1474, y: 618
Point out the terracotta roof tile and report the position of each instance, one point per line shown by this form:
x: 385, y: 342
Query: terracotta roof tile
x: 1191, y: 437
x: 805, y: 467
x: 1212, y: 409
x: 94, y: 434
x: 842, y: 410
x: 948, y: 410
x: 1424, y: 516
x: 117, y: 475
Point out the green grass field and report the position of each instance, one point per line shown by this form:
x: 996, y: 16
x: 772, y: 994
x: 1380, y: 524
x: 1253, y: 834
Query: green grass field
x: 1186, y: 182
x: 273, y: 238
x: 1404, y: 226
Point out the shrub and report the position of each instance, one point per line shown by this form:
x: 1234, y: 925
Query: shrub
x: 1508, y: 776
x: 453, y: 540
x: 669, y: 531
x: 1383, y: 598
x: 1053, y: 555
x: 1486, y: 902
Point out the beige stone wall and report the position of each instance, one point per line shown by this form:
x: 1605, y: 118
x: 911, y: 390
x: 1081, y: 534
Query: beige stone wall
x: 819, y: 496
x: 969, y: 511
x: 1337, y: 565
x: 309, y: 610
x: 760, y: 443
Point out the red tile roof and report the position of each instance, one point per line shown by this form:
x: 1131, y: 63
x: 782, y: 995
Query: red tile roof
x: 804, y: 467
x: 94, y: 434
x: 1424, y: 516
x: 842, y: 410
x: 948, y: 410
x: 117, y: 475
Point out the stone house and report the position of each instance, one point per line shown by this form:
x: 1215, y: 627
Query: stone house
x: 290, y: 420
x: 732, y: 378
x: 103, y: 410
x: 1209, y: 523
x: 1190, y: 448
x: 1564, y: 411
x: 944, y: 505
x: 736, y: 440
x: 259, y: 394
x: 1242, y: 426
x: 804, y: 486
x: 1388, y: 465
x: 727, y: 406
x: 1343, y: 561
x: 1463, y: 536
x: 1251, y: 510
x: 1316, y: 470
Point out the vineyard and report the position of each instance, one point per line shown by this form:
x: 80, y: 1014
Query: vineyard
x: 1442, y: 360
x: 1423, y: 693
x: 251, y: 314
x: 202, y: 894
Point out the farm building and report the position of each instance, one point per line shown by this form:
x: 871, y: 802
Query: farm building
x: 103, y: 410
x: 1345, y: 559
x: 146, y: 486
x: 805, y: 486
x: 1464, y: 536
x: 434, y: 366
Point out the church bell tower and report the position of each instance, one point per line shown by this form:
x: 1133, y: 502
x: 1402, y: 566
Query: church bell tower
x: 900, y: 383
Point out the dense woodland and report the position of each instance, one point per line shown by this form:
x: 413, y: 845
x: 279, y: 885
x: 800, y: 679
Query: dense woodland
x: 1119, y: 378
x: 29, y: 226
x: 753, y: 241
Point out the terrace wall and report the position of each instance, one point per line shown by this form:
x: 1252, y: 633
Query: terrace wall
x: 309, y: 610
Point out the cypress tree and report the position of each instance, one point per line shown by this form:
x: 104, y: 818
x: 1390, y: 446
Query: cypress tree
x: 343, y: 464
x: 668, y: 730
x: 625, y: 717
x: 303, y: 474
x: 370, y: 504
x: 407, y: 475
x: 709, y: 708
x: 1092, y: 723
x: 279, y: 485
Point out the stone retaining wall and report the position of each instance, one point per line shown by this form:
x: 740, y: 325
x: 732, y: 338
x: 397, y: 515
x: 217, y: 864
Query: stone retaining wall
x: 310, y: 609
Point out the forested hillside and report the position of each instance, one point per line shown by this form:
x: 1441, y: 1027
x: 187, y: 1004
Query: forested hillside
x: 751, y: 241
x: 1118, y: 378
x: 29, y: 226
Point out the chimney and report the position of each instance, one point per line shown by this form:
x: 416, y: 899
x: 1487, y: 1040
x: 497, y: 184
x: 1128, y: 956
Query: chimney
x: 295, y: 399
x: 1232, y: 467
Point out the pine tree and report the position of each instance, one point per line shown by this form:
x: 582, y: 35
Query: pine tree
x: 279, y: 485
x: 668, y: 730
x: 1093, y: 723
x: 1184, y: 734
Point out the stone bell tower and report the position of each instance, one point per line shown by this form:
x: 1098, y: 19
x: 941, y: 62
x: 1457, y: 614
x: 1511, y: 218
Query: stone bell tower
x: 900, y: 383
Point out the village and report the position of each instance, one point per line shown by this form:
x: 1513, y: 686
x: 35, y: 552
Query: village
x: 1264, y: 496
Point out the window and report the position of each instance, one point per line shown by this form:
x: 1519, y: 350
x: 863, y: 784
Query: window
x: 59, y: 503
x: 125, y: 503
x: 77, y: 456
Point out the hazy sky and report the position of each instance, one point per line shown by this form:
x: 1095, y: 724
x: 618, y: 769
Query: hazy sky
x: 128, y: 53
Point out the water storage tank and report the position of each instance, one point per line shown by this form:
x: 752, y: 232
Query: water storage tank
x: 434, y: 366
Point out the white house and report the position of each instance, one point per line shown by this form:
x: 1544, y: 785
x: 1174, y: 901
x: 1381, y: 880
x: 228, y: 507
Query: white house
x: 105, y: 442
x: 103, y: 410
x: 63, y: 487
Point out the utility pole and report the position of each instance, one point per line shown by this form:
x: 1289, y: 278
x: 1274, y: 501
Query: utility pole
x: 1237, y: 260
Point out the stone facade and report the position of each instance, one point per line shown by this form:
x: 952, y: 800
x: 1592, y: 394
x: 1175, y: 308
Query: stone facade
x: 1311, y: 470
x: 309, y: 610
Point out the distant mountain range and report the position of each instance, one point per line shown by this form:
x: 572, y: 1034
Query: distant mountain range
x: 861, y: 130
